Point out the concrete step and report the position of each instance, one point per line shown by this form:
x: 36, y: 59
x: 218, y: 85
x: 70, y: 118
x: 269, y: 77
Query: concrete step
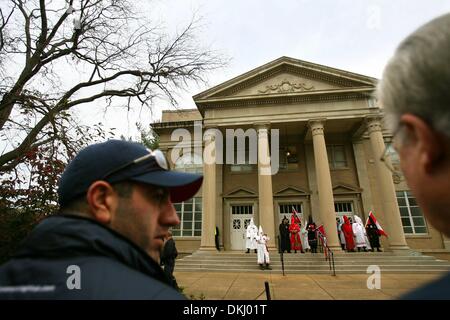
x: 313, y: 263
x: 311, y: 257
x: 313, y: 271
x: 308, y: 256
x: 309, y: 266
x: 316, y: 266
x: 318, y: 261
x: 239, y: 253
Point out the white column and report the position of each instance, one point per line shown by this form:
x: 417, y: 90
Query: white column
x: 389, y: 203
x: 265, y: 193
x: 324, y: 186
x: 361, y: 170
x: 209, y: 194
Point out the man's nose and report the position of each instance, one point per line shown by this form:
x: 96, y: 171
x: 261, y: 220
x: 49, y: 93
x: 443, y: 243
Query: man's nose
x: 170, y: 216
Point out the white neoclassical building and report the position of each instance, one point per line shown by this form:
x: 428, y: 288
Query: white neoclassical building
x: 331, y: 138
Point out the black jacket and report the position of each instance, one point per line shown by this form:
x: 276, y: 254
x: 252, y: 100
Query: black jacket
x: 436, y: 290
x: 170, y: 251
x: 110, y: 266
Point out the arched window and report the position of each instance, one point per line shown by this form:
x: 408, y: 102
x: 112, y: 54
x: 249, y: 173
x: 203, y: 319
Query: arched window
x: 192, y: 163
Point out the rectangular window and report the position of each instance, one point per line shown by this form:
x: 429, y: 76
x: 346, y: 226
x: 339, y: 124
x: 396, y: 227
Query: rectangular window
x: 242, y: 163
x: 336, y: 156
x: 285, y: 210
x: 283, y: 159
x: 190, y: 214
x: 292, y: 156
x: 242, y: 209
x: 288, y: 158
x: 343, y: 209
x: 410, y: 213
x: 241, y: 167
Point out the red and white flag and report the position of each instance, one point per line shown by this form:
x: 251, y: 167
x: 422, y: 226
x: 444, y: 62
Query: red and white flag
x: 295, y: 216
x: 323, y: 239
x: 321, y: 229
x: 381, y: 232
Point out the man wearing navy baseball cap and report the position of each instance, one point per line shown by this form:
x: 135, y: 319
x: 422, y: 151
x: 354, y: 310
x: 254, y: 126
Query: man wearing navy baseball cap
x: 116, y: 201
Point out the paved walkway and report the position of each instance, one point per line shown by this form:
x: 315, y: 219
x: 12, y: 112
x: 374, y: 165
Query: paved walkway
x: 250, y: 286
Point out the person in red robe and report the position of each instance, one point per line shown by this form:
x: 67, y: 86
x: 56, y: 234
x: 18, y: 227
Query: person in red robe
x: 294, y: 229
x: 347, y: 230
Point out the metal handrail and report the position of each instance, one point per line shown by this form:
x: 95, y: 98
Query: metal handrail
x: 329, y: 256
x: 281, y: 254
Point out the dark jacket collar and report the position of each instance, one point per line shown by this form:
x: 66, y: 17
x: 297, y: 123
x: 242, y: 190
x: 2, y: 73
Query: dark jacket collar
x: 61, y: 236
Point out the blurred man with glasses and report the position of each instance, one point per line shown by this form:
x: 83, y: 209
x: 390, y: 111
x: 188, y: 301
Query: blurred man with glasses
x: 415, y: 94
x: 116, y: 201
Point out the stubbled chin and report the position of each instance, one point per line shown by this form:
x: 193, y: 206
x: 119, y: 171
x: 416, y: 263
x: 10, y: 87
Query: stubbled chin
x: 155, y: 256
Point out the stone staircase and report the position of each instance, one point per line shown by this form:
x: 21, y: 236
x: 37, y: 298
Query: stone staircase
x: 345, y: 263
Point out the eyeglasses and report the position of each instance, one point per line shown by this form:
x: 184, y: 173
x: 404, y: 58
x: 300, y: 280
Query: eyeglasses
x: 386, y: 156
x: 160, y: 159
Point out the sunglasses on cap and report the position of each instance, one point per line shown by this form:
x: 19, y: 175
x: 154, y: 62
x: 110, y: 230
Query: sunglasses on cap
x: 157, y: 154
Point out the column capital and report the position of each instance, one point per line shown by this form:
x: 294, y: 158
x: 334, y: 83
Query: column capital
x: 316, y: 126
x: 373, y: 123
x: 262, y: 126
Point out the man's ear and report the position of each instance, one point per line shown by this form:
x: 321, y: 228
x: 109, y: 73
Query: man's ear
x: 102, y: 201
x: 428, y: 143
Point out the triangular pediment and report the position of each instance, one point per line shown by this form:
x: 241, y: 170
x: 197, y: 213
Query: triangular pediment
x: 287, y: 76
x: 291, y: 191
x: 285, y: 83
x: 345, y: 189
x: 240, y: 193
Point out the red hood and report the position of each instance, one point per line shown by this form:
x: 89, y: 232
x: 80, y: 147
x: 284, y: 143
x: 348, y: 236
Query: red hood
x: 346, y: 221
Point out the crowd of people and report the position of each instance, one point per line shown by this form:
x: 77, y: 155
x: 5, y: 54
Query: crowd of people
x: 298, y: 236
x: 256, y: 240
x: 305, y: 237
x: 352, y: 233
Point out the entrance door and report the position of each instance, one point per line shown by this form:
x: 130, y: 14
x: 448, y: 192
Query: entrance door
x: 240, y: 219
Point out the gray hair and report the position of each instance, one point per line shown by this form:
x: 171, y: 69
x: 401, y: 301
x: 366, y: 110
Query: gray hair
x: 417, y: 78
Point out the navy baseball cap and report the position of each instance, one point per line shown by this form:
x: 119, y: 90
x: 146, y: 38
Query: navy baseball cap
x: 116, y: 161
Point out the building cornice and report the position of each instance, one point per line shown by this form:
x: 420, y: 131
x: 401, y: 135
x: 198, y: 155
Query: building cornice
x: 173, y: 124
x: 286, y: 98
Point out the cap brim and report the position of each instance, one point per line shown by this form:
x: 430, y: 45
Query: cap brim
x: 182, y: 185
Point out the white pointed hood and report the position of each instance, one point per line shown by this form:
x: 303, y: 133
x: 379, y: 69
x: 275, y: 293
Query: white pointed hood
x: 304, y: 223
x: 358, y: 220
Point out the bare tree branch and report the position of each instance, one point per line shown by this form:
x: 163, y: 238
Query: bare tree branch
x: 127, y: 56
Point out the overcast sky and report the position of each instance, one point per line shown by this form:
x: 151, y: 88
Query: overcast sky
x: 354, y: 35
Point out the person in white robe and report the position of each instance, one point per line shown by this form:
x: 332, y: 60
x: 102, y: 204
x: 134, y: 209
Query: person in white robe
x: 341, y: 234
x: 263, y: 253
x: 304, y: 237
x: 360, y: 234
x: 250, y: 238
